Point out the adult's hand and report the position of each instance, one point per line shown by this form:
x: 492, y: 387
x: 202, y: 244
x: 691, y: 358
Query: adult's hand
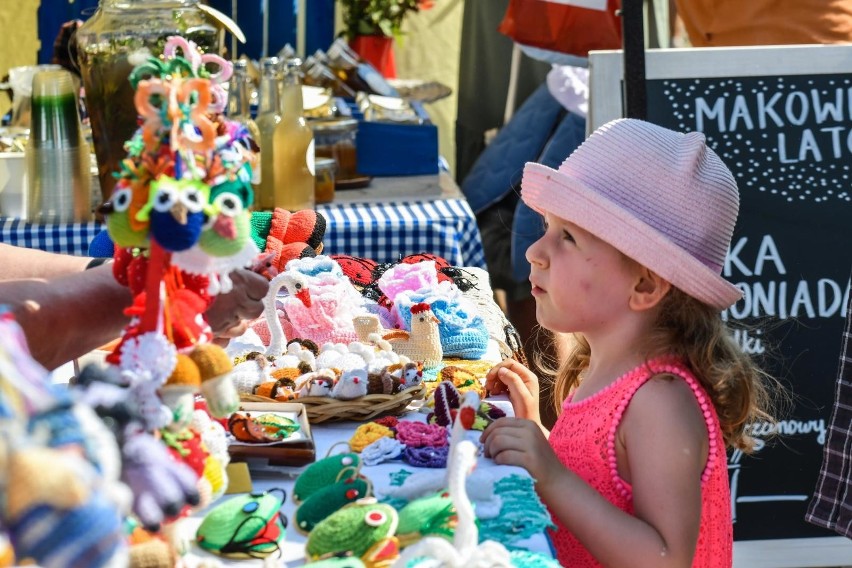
x: 230, y: 314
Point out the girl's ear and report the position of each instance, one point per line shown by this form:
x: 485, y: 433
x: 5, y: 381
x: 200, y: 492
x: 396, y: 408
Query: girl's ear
x: 649, y: 290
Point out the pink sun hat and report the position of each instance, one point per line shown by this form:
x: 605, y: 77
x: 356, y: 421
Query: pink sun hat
x: 661, y: 197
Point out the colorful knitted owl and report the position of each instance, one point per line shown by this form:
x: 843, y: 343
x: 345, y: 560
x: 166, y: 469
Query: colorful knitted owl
x: 125, y: 231
x: 177, y: 211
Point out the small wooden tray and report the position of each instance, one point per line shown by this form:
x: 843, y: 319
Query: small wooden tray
x: 291, y: 452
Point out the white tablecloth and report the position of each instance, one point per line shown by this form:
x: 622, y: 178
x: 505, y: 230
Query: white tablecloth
x: 325, y: 436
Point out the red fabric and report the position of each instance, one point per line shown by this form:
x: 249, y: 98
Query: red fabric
x: 584, y: 436
x: 564, y: 28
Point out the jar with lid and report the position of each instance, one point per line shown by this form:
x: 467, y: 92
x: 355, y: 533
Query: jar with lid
x: 335, y: 138
x: 325, y: 168
x: 120, y: 34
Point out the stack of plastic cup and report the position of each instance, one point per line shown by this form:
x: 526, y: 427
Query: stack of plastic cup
x: 58, y: 188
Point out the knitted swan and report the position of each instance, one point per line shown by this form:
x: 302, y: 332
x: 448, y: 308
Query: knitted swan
x: 465, y: 551
x: 320, y: 305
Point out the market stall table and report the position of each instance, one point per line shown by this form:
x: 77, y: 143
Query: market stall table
x: 393, y: 217
x: 325, y: 436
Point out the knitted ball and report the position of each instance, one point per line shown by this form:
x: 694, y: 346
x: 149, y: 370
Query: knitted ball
x: 212, y: 360
x: 186, y: 373
x: 353, y: 529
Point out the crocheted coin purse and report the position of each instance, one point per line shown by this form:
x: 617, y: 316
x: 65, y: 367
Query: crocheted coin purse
x: 329, y: 499
x: 364, y: 529
x: 325, y: 472
x: 247, y: 526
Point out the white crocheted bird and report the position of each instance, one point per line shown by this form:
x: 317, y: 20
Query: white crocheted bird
x: 351, y: 384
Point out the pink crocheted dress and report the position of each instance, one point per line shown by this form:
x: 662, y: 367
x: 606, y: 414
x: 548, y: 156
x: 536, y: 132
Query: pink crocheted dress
x: 584, y: 439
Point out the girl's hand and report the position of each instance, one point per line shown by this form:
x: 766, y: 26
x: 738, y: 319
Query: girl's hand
x: 511, y: 441
x: 520, y: 383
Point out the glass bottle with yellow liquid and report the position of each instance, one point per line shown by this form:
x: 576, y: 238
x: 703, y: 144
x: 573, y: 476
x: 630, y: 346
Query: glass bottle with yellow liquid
x: 293, y: 146
x: 267, y: 121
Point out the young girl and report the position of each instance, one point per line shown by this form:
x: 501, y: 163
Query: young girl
x: 639, y: 219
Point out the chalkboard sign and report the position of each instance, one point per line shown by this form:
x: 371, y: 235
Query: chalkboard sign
x: 781, y: 119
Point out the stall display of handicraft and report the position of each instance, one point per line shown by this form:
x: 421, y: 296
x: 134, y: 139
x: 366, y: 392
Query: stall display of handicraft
x: 346, y: 337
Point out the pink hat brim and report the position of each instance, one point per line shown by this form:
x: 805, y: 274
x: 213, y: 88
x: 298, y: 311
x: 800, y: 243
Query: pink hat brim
x: 547, y: 190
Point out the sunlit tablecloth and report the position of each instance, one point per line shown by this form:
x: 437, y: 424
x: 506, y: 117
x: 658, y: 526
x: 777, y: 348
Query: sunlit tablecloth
x: 383, y: 231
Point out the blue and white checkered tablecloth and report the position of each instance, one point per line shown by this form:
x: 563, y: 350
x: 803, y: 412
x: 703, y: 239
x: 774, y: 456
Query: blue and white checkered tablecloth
x: 387, y: 231
x: 380, y: 231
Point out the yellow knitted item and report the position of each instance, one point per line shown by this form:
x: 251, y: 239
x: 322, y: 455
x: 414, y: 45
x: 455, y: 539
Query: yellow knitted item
x: 40, y: 476
x: 368, y: 433
x: 212, y: 360
x: 152, y: 554
x: 186, y: 373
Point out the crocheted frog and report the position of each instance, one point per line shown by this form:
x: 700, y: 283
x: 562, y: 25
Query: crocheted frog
x: 365, y: 529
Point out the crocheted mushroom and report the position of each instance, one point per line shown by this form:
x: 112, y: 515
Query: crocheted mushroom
x: 218, y: 388
x: 178, y: 393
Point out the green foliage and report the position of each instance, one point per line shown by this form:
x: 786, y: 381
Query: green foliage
x: 378, y: 17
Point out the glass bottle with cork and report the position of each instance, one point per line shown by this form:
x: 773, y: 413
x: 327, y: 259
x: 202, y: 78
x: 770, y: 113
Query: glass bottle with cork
x: 239, y: 99
x: 268, y: 118
x: 293, y: 145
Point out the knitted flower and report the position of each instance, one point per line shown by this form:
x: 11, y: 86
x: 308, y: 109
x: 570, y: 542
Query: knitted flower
x: 419, y: 434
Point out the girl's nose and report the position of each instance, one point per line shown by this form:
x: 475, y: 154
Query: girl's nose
x: 535, y: 254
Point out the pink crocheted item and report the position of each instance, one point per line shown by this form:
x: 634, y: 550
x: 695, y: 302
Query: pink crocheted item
x: 584, y: 440
x: 419, y: 434
x: 408, y: 277
x: 261, y: 327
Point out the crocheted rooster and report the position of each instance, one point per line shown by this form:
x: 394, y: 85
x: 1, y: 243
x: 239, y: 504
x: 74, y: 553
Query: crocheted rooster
x: 423, y: 342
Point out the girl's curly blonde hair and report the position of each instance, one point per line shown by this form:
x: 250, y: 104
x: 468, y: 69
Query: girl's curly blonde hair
x: 695, y: 332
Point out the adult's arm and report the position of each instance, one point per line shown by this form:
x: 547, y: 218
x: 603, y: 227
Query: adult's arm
x: 67, y: 316
x: 19, y: 262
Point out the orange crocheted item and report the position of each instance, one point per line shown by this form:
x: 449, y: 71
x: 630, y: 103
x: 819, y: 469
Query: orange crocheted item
x: 186, y: 373
x: 294, y: 235
x: 584, y: 440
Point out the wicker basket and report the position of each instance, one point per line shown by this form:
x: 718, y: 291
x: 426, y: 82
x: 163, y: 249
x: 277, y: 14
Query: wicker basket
x: 326, y: 409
